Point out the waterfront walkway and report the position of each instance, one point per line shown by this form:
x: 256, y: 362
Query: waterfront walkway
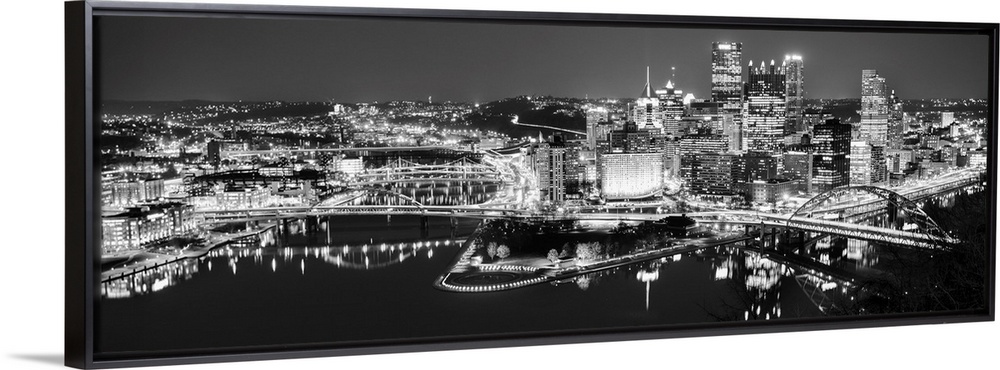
x: 160, y: 259
x: 468, y: 277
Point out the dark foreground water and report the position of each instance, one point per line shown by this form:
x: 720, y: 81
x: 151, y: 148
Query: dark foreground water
x: 347, y: 279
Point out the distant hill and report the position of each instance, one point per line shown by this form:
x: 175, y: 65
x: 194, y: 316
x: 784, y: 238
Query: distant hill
x: 147, y: 107
x: 497, y: 115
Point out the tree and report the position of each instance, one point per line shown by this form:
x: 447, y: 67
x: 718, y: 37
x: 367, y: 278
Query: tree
x: 491, y: 250
x: 503, y: 251
x: 553, y: 255
x: 588, y: 251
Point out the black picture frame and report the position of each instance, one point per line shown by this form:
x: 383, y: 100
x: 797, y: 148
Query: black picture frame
x: 82, y: 184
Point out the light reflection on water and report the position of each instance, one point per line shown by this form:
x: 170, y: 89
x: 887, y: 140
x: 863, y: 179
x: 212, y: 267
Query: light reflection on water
x: 265, y: 249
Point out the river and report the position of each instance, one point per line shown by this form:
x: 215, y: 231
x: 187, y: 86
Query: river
x: 346, y: 279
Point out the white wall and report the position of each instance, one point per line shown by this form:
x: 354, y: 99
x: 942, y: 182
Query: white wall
x: 31, y: 272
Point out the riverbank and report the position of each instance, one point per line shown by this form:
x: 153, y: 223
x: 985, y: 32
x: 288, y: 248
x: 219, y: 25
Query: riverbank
x: 153, y: 260
x: 468, y: 277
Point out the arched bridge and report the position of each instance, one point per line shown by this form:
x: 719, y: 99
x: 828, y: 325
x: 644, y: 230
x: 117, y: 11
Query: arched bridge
x: 903, y: 213
x: 403, y: 171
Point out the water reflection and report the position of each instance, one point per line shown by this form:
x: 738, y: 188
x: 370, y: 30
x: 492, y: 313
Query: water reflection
x: 268, y: 249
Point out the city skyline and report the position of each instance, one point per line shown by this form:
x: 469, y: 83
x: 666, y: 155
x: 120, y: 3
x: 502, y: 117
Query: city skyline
x: 163, y: 59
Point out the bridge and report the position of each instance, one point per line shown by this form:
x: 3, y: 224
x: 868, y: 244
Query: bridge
x: 403, y: 171
x: 238, y: 153
x: 519, y: 123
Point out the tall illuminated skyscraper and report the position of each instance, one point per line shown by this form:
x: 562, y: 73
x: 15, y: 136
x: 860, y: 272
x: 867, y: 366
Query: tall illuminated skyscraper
x: 874, y: 108
x: 831, y: 155
x: 647, y: 109
x: 765, y: 109
x: 794, y: 93
x: 595, y: 116
x: 896, y: 124
x: 672, y: 108
x: 727, y: 77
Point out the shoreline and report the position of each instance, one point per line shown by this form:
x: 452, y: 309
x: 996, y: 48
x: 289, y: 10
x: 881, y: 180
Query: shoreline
x: 518, y: 276
x: 195, y: 252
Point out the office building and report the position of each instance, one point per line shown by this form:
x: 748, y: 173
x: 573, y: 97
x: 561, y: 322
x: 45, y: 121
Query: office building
x: 764, y: 120
x: 141, y: 226
x: 831, y: 149
x: 672, y: 108
x: 647, y: 114
x: 712, y: 176
x: 631, y: 175
x: 794, y: 93
x: 874, y: 125
x: 727, y: 77
x: 595, y: 117
x: 896, y: 125
x: 550, y: 171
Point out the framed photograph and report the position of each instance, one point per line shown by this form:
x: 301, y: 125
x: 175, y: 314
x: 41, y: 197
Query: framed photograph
x: 248, y: 182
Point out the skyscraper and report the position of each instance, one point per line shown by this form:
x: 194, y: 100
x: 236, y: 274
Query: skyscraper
x: 794, y: 93
x: 727, y: 77
x: 647, y: 112
x: 550, y: 170
x: 861, y: 163
x: 874, y: 108
x: 765, y: 109
x: 595, y: 116
x: 896, y: 125
x: 832, y: 145
x: 672, y: 108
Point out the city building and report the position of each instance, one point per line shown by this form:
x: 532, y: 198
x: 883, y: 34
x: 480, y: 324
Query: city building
x: 868, y: 164
x: 632, y: 139
x: 141, y: 226
x: 798, y: 165
x: 713, y: 176
x: 727, y: 77
x: 977, y: 158
x: 647, y: 114
x: 794, y: 93
x: 764, y: 118
x: 550, y: 171
x: 129, y: 193
x: 896, y: 125
x: 831, y: 150
x: 690, y: 146
x: 771, y: 191
x: 755, y: 166
x: 242, y: 197
x: 595, y: 116
x: 861, y: 159
x: 631, y: 175
x: 813, y: 117
x: 874, y: 124
x: 213, y: 152
x: 672, y: 108
x: 947, y: 118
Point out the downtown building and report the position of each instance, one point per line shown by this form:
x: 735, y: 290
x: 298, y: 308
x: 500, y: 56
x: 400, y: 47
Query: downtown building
x: 550, y: 170
x: 141, y: 226
x: 874, y: 125
x: 765, y: 110
x: 794, y: 94
x: 632, y: 165
x: 868, y: 164
x: 727, y: 78
x: 896, y: 127
x: 647, y: 113
x: 831, y: 143
x: 596, y: 116
x: 671, y: 108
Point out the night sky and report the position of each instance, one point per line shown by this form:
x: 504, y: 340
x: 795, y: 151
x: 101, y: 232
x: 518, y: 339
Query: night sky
x: 354, y: 60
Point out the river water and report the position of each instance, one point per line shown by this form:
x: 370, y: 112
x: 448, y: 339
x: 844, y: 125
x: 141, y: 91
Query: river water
x: 370, y: 278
